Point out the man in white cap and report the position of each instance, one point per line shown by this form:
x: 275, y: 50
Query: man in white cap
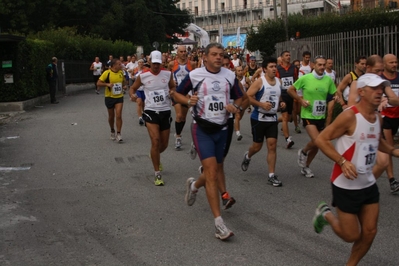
x: 157, y: 84
x: 354, y: 188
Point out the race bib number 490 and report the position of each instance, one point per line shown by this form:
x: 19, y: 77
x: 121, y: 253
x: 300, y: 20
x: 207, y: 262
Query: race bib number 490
x: 214, y: 106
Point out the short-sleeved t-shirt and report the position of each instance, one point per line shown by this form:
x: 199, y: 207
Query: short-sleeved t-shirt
x: 117, y: 79
x: 315, y: 91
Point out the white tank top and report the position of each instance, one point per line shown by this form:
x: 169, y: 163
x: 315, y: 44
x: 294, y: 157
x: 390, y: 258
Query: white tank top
x: 97, y: 68
x: 156, y: 90
x: 361, y: 150
x: 303, y: 70
x: 268, y: 93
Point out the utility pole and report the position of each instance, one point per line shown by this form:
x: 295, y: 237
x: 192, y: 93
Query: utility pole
x: 284, y: 15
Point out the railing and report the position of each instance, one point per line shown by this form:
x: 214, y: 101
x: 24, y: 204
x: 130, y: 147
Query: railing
x: 344, y: 47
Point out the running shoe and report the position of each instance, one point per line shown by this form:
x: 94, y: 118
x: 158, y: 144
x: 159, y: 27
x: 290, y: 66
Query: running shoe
x: 193, y: 151
x: 307, y: 172
x: 222, y: 232
x: 113, y: 137
x: 290, y: 143
x: 158, y: 180
x: 245, y: 162
x: 273, y: 180
x: 298, y: 130
x: 141, y: 121
x: 119, y: 137
x: 228, y: 201
x: 302, y: 158
x: 190, y: 195
x: 239, y: 137
x: 394, y: 186
x: 178, y: 143
x: 97, y: 91
x: 318, y: 219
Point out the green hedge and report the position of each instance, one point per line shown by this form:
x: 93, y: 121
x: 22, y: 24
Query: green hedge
x: 29, y: 71
x: 34, y: 54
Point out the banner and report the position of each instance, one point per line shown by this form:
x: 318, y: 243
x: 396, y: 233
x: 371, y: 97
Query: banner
x: 200, y: 33
x: 231, y: 40
x: 238, y: 39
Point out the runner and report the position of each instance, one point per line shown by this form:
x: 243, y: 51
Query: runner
x: 390, y: 120
x: 344, y: 85
x: 245, y: 103
x: 236, y: 61
x: 265, y: 95
x: 212, y: 88
x: 157, y: 85
x: 140, y: 93
x: 354, y: 189
x: 330, y: 101
x: 97, y: 68
x: 315, y: 88
x: 180, y: 68
x: 305, y: 67
x: 115, y: 82
x: 288, y: 74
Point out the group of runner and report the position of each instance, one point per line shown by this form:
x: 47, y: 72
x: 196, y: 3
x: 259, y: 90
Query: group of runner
x: 218, y: 98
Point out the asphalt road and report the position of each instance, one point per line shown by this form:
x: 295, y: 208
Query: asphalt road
x: 71, y: 196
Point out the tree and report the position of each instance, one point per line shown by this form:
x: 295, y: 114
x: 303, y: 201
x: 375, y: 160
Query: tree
x: 139, y: 21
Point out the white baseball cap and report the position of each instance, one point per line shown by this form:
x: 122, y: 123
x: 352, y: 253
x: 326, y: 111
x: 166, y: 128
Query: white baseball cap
x: 371, y: 80
x: 156, y: 57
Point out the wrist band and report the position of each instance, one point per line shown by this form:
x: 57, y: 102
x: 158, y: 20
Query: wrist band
x: 342, y: 162
x: 189, y: 102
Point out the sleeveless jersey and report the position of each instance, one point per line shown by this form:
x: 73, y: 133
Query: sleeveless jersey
x: 156, y: 90
x: 115, y: 78
x: 97, y: 68
x: 361, y: 150
x: 345, y: 94
x: 214, y: 93
x: 251, y: 71
x: 391, y: 111
x: 180, y: 71
x: 287, y: 75
x: 303, y: 70
x: 332, y: 75
x: 267, y: 93
x: 135, y: 74
x: 236, y: 62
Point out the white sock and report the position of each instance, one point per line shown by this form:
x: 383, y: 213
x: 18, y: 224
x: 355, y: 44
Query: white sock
x: 238, y: 133
x: 246, y: 156
x: 271, y: 174
x: 193, y: 188
x: 157, y: 173
x: 218, y: 220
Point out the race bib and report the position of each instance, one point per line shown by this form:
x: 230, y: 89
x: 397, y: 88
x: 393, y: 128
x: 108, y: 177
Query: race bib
x: 267, y: 118
x: 366, y: 158
x: 117, y: 88
x: 319, y: 108
x: 214, y: 106
x: 287, y: 82
x: 157, y: 97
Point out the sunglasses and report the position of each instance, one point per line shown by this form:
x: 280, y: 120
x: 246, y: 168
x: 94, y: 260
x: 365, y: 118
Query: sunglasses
x: 320, y: 56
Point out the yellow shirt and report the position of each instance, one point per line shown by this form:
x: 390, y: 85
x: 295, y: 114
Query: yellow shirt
x: 115, y: 78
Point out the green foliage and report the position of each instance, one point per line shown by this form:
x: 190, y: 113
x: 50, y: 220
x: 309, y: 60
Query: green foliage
x: 29, y: 71
x: 69, y: 45
x: 271, y: 32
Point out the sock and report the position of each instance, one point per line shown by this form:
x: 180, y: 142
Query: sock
x: 246, y: 156
x: 218, y: 220
x: 391, y: 180
x: 179, y: 127
x: 271, y: 174
x: 157, y: 173
x: 193, y: 188
x: 118, y: 132
x: 238, y: 133
x: 112, y: 130
x: 225, y: 195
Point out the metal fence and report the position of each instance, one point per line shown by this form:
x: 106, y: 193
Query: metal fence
x: 344, y: 47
